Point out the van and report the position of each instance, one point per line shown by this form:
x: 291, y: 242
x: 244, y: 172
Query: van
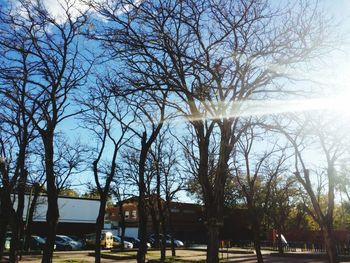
x: 106, y: 240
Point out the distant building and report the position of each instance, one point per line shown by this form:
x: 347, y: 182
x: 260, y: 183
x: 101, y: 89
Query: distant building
x: 77, y: 215
x: 188, y: 221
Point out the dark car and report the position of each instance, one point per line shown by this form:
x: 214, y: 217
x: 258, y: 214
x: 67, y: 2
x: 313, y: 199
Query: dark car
x: 177, y: 243
x: 62, y: 244
x: 37, y: 243
x: 135, y: 241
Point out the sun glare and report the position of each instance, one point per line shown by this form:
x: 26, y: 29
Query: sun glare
x: 341, y: 103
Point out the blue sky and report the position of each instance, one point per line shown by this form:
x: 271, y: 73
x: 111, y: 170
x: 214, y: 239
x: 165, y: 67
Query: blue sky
x: 333, y: 70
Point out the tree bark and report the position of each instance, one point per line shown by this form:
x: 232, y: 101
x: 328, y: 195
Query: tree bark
x: 8, y: 206
x: 99, y: 226
x: 141, y: 253
x: 213, y: 242
x: 14, y: 246
x: 257, y: 244
x: 279, y: 240
x: 163, y: 242
x: 171, y: 228
x: 330, y: 245
x: 52, y: 214
x: 161, y: 217
x: 4, y: 221
x: 122, y: 224
x: 145, y: 146
x: 29, y: 223
x: 17, y: 230
x: 155, y: 223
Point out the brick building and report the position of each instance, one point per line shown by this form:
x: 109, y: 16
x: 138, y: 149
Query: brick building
x: 188, y: 221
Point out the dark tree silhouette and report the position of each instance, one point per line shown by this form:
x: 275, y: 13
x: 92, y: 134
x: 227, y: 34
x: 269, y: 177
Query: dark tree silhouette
x: 53, y: 70
x: 210, y: 55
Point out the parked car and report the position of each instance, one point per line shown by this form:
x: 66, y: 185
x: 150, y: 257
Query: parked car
x: 80, y: 241
x: 135, y: 242
x: 106, y: 240
x: 177, y: 243
x: 117, y: 243
x: 37, y: 243
x: 65, y: 243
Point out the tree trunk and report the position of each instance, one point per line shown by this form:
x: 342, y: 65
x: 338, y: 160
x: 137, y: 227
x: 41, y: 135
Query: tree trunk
x: 122, y: 224
x: 162, y: 224
x: 99, y: 226
x: 171, y: 228
x: 257, y: 245
x: 155, y: 224
x: 163, y: 239
x: 141, y: 253
x: 3, y: 228
x: 214, y: 195
x: 17, y: 235
x: 52, y: 214
x: 330, y: 245
x: 213, y: 243
x: 52, y: 219
x: 14, y: 246
x: 8, y: 208
x: 4, y: 221
x: 29, y: 223
x: 279, y: 240
x: 163, y: 243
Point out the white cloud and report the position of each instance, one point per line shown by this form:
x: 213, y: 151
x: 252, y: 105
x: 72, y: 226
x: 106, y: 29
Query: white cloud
x: 57, y: 7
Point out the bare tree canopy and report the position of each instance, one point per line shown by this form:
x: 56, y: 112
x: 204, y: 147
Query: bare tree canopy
x: 211, y: 56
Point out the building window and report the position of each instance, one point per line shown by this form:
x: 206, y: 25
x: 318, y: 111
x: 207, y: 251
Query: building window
x: 175, y: 210
x: 126, y: 215
x: 133, y: 214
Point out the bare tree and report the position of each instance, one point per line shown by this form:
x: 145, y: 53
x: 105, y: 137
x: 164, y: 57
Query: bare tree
x: 283, y: 199
x: 122, y: 190
x: 54, y: 70
x: 256, y: 174
x: 319, y: 131
x: 151, y: 116
x: 16, y: 137
x: 108, y: 117
x: 168, y: 182
x: 210, y: 55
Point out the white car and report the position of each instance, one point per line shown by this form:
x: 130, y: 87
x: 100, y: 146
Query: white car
x: 127, y: 244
